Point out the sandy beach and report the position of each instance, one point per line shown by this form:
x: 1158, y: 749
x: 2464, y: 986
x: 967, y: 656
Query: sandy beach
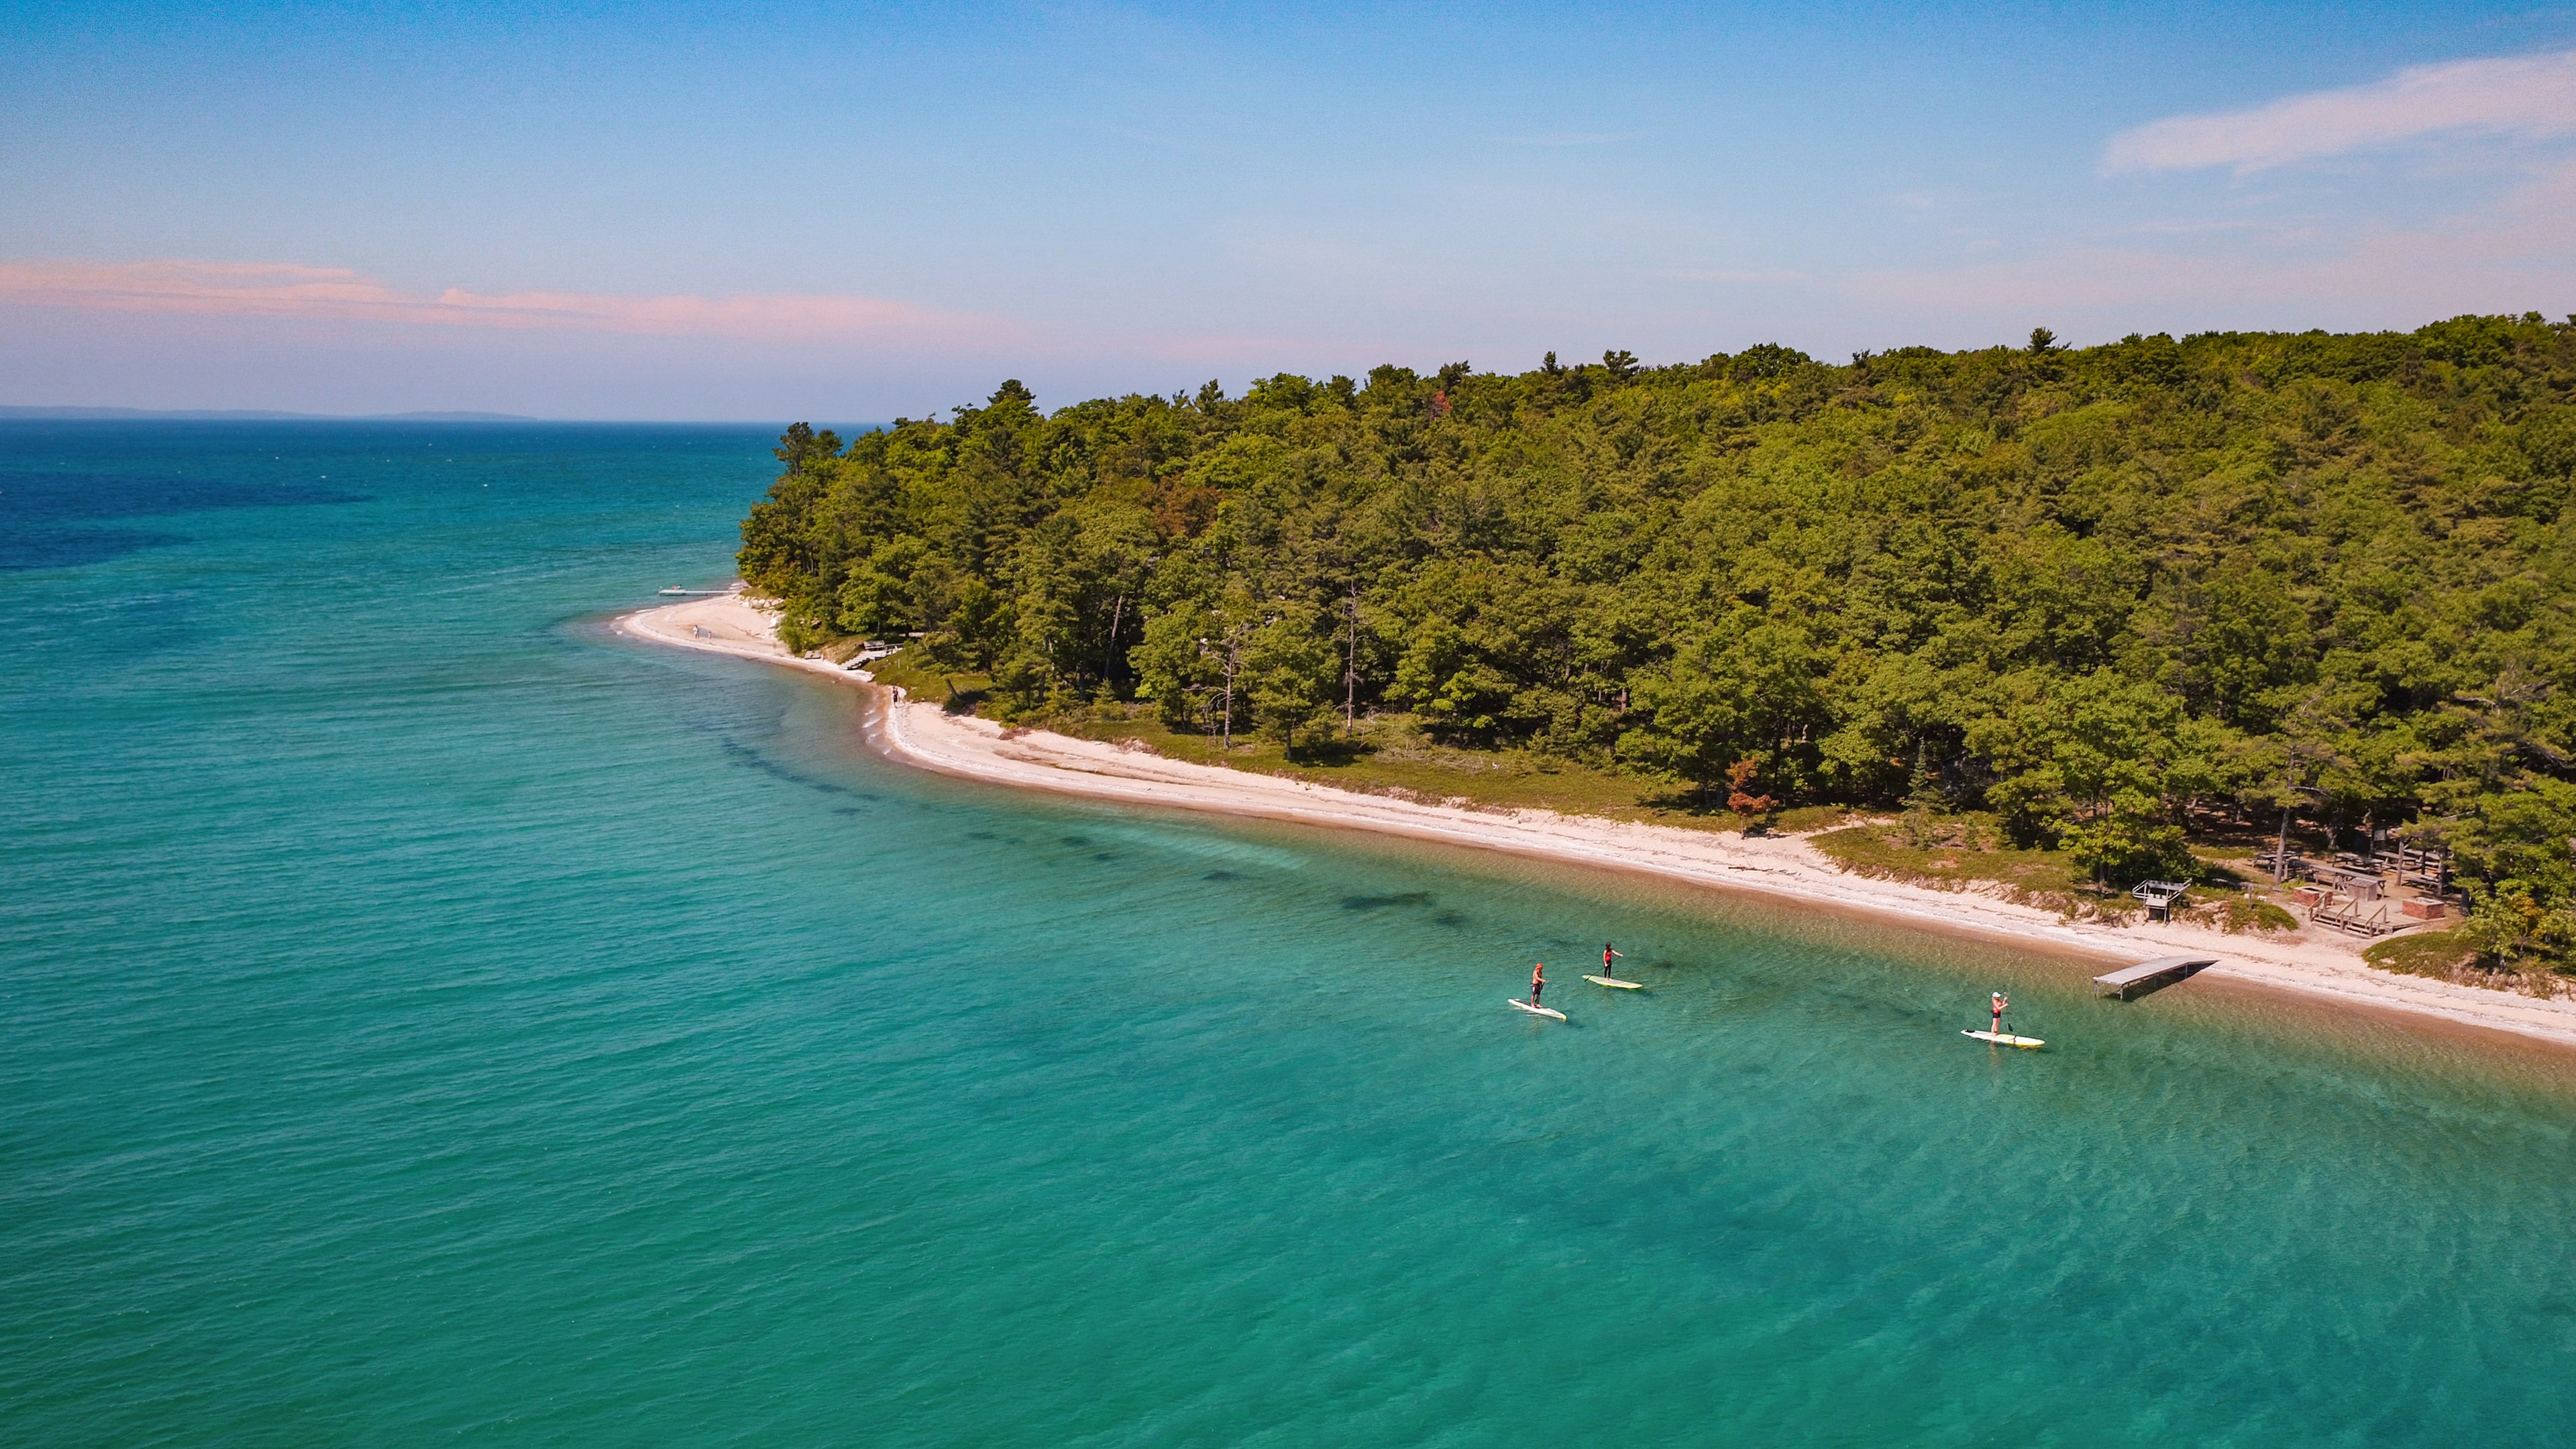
x: 925, y: 736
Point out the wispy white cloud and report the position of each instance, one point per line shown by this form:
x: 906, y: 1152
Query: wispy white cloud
x: 293, y: 290
x: 2530, y: 97
x: 2519, y: 253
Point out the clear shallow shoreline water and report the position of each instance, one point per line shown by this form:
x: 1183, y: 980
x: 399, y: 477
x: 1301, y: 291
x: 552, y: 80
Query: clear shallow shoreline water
x: 428, y: 1015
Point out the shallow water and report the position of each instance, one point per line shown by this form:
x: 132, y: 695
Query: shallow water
x: 430, y: 1015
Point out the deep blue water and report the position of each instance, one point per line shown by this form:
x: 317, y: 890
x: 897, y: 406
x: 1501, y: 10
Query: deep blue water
x: 429, y: 1016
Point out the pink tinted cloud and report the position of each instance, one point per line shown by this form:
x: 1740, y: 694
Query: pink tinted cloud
x: 292, y: 290
x: 2531, y: 97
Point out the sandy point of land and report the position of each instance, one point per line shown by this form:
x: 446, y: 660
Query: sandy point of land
x: 728, y: 623
x: 928, y: 737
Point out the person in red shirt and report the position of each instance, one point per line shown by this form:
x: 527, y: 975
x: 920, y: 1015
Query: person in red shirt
x: 1607, y: 956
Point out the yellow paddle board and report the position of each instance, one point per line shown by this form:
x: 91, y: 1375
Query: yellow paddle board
x: 2005, y: 1038
x: 1614, y: 981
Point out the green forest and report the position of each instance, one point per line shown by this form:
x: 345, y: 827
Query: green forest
x: 2111, y: 597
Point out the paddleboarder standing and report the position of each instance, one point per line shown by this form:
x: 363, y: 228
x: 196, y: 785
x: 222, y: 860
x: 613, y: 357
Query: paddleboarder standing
x: 1538, y: 981
x: 2001, y: 1001
x: 1607, y: 956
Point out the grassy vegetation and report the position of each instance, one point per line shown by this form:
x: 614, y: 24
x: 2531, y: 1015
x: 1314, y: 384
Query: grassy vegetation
x: 2455, y: 955
x: 2433, y: 953
x: 1973, y: 852
x: 962, y: 691
x: 2239, y: 913
x: 1968, y: 852
x: 1388, y: 755
x: 1391, y: 756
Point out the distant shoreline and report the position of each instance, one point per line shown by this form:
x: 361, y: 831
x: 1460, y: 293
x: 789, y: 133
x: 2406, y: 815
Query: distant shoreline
x: 43, y: 414
x: 926, y: 737
x: 241, y: 415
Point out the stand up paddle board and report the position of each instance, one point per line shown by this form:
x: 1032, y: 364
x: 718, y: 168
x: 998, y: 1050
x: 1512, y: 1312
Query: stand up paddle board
x: 1616, y: 982
x: 2005, y: 1038
x: 1535, y: 1010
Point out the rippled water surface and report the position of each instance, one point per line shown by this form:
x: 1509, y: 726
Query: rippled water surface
x: 431, y: 1017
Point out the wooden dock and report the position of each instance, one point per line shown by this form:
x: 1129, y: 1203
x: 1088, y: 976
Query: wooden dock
x: 2149, y: 976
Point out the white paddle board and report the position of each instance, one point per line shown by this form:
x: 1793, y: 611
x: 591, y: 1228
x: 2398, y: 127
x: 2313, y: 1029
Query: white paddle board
x: 1615, y: 981
x: 1535, y: 1010
x: 2005, y: 1038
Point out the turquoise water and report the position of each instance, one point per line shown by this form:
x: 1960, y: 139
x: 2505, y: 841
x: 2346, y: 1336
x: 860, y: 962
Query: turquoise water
x: 431, y: 1017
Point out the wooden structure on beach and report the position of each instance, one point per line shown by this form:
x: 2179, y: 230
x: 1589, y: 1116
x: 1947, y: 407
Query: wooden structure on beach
x: 2425, y: 868
x: 2358, y: 894
x: 2146, y: 976
x: 2346, y: 914
x: 2159, y: 896
x: 2366, y: 876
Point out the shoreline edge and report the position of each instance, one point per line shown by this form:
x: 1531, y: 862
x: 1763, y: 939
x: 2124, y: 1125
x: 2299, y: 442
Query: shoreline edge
x: 1783, y: 867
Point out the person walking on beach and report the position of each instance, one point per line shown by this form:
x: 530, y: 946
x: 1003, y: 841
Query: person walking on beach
x: 1538, y: 981
x: 2001, y: 1001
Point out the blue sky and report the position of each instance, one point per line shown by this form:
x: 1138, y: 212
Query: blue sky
x: 757, y: 212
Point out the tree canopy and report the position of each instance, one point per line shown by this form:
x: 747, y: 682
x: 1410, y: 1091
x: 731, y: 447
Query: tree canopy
x: 2099, y: 591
